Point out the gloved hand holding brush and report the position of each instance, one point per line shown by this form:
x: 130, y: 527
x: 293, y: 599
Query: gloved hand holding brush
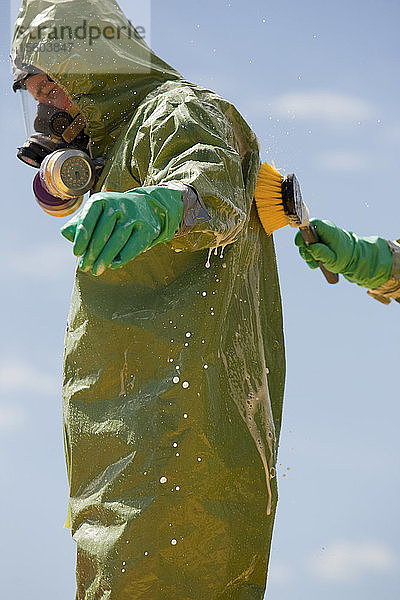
x: 371, y: 262
x: 367, y: 261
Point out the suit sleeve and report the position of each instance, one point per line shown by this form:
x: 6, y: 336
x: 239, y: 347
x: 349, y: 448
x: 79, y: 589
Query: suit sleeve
x: 190, y: 141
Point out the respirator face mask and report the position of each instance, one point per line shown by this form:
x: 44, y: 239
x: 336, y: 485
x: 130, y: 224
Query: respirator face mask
x: 57, y: 145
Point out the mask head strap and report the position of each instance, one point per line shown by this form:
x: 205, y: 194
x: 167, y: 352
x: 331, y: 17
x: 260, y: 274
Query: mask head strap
x: 76, y: 127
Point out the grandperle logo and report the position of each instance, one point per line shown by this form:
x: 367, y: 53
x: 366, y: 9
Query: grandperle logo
x: 68, y: 34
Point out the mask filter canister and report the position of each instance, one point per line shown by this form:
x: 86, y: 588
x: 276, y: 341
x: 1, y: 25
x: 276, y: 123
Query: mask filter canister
x: 64, y: 177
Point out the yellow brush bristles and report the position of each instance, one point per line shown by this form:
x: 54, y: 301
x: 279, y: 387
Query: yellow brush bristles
x: 268, y: 197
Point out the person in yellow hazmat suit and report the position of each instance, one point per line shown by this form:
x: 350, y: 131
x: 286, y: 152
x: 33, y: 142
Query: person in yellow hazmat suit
x: 174, y: 357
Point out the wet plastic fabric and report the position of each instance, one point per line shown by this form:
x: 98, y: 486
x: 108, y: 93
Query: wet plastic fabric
x: 173, y: 374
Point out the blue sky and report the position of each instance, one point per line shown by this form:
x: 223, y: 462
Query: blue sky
x: 319, y: 84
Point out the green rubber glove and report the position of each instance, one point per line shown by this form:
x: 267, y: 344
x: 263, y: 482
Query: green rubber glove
x: 113, y: 228
x: 366, y: 261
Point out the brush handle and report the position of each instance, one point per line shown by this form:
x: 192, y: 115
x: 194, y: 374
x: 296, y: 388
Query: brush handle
x: 310, y: 236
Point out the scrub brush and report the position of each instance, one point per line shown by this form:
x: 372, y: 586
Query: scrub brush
x: 279, y: 203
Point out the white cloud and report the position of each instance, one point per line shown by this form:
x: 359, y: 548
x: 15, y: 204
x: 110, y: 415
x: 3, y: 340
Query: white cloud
x: 349, y: 561
x: 11, y: 417
x: 322, y: 105
x: 339, y: 161
x: 45, y: 261
x: 17, y: 376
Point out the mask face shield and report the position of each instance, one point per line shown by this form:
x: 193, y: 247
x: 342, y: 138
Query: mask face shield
x: 48, y: 129
x: 42, y: 137
x: 29, y: 110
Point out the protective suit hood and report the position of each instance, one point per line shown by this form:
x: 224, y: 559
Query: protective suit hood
x: 93, y: 52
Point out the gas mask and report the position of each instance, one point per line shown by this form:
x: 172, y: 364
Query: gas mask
x: 57, y: 145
